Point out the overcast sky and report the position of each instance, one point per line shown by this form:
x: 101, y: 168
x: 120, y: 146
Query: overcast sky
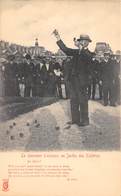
x: 21, y: 21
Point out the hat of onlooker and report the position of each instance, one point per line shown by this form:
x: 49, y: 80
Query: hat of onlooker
x: 107, y: 53
x: 27, y: 56
x: 118, y: 53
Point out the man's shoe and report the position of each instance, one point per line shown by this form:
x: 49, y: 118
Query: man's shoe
x: 82, y: 124
x: 71, y: 123
x: 113, y: 104
x: 105, y: 104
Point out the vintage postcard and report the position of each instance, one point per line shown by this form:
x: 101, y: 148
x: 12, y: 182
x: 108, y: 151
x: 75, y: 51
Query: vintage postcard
x: 60, y: 98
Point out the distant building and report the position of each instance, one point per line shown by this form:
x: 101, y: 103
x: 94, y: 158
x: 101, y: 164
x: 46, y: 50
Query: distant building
x: 12, y: 48
x: 36, y: 42
x: 37, y: 50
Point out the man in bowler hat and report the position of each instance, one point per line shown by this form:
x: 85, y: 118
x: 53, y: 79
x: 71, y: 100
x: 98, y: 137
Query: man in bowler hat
x: 78, y: 77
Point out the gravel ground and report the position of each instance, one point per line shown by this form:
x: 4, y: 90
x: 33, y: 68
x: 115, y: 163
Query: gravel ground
x: 11, y: 107
x: 46, y: 129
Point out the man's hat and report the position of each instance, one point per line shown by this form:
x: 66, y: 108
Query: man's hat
x: 27, y: 56
x: 118, y: 53
x: 53, y: 57
x: 107, y: 53
x: 84, y: 37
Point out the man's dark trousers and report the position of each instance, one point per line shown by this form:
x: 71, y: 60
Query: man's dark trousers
x: 78, y: 101
x: 108, y: 92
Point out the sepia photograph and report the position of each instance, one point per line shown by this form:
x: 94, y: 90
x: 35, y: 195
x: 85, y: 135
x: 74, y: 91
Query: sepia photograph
x: 59, y: 75
x: 60, y: 101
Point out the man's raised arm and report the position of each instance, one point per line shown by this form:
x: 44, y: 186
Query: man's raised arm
x: 62, y: 46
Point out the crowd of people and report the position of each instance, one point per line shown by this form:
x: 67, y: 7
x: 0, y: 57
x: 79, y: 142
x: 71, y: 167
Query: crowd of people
x: 31, y: 77
x: 104, y: 79
x: 106, y: 75
x: 45, y: 76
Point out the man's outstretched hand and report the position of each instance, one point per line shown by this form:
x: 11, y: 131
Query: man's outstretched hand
x: 56, y: 34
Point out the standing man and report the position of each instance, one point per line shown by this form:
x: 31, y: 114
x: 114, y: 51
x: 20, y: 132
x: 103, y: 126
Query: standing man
x: 79, y: 77
x: 95, y: 80
x: 28, y: 76
x: 108, y: 79
x: 11, y: 83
